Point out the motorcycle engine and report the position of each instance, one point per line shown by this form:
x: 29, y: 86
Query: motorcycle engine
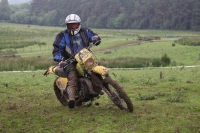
x: 83, y: 90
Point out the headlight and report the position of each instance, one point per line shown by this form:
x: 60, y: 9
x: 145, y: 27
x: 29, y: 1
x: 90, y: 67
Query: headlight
x: 89, y: 64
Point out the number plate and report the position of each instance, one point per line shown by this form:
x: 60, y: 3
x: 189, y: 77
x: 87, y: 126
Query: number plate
x: 84, y: 55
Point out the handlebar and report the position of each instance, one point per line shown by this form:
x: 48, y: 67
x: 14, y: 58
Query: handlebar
x: 71, y: 59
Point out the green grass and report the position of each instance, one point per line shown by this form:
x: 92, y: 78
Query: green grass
x: 165, y: 105
x: 40, y: 34
x: 179, y: 54
x: 165, y: 100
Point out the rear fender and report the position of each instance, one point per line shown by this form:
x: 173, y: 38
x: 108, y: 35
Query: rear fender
x: 57, y: 71
x: 51, y: 70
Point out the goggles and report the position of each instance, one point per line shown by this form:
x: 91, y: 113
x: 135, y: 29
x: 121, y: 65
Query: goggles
x: 73, y: 25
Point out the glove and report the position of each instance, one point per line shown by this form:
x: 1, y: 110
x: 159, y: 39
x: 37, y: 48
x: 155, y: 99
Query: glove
x: 61, y: 64
x: 96, y: 40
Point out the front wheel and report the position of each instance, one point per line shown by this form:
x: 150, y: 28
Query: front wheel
x: 118, y: 95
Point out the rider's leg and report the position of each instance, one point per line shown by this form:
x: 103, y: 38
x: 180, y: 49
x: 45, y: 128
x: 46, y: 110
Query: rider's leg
x: 71, y: 88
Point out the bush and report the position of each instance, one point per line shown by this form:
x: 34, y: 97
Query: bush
x: 22, y: 64
x: 130, y: 62
x: 192, y: 41
x: 165, y: 60
x: 156, y: 62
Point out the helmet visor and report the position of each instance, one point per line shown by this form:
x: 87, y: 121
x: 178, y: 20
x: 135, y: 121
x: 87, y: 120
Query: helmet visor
x: 73, y: 25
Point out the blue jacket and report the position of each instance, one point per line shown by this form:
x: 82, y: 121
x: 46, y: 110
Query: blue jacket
x: 66, y: 45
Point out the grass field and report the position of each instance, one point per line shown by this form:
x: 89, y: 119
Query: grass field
x: 166, y: 100
x: 21, y: 35
x: 165, y: 105
x: 180, y: 55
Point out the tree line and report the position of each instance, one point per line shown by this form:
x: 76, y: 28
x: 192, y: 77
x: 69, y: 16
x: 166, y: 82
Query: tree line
x: 118, y: 14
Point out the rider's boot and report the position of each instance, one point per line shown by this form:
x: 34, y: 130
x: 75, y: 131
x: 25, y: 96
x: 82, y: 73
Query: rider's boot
x: 71, y: 96
x: 71, y: 88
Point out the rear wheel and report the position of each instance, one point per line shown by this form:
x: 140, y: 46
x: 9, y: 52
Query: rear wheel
x: 118, y: 95
x: 84, y: 88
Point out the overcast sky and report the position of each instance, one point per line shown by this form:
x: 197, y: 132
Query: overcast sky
x: 18, y: 1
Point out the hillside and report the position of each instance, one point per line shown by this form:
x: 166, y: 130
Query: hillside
x: 109, y: 14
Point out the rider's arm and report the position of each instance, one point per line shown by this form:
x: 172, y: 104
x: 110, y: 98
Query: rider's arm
x: 58, y: 47
x: 93, y: 37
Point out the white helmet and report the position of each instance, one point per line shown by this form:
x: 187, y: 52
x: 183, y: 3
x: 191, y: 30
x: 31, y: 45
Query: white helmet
x: 73, y: 23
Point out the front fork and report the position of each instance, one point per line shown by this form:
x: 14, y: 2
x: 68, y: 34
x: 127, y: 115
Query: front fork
x: 100, y: 83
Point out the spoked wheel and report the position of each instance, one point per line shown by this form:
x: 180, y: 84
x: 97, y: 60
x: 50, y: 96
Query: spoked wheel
x: 59, y: 94
x: 118, y: 95
x: 83, y: 83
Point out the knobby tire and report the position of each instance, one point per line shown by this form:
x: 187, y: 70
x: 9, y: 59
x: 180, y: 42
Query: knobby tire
x: 121, y: 95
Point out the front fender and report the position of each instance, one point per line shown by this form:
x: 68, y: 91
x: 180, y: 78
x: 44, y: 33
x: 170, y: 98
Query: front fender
x: 100, y: 70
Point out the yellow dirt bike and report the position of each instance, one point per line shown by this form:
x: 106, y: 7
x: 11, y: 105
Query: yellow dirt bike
x: 93, y: 80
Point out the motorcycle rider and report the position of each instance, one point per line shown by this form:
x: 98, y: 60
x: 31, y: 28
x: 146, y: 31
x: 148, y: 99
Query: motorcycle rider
x: 66, y: 44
